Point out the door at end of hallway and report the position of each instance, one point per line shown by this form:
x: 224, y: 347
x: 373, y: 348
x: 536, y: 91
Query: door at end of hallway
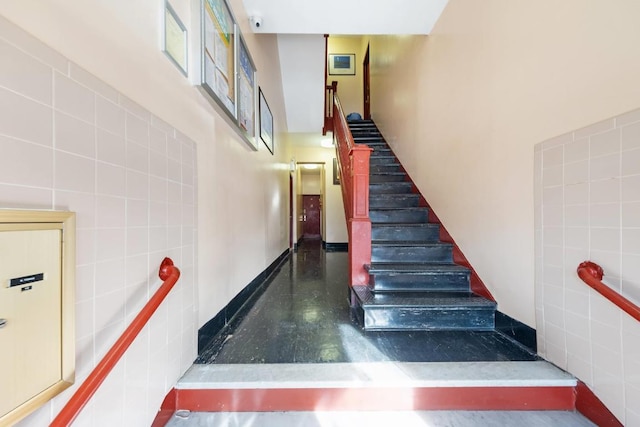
x: 311, y: 216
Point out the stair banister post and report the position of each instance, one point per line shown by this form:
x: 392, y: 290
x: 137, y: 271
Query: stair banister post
x: 360, y: 227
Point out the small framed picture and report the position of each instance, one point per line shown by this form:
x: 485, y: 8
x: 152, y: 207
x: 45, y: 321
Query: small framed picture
x: 336, y: 172
x: 266, y: 123
x: 342, y: 64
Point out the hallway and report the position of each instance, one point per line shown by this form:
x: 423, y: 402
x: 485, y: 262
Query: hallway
x: 304, y: 317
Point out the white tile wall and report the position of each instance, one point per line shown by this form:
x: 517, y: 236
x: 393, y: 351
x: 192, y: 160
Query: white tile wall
x: 587, y: 186
x: 71, y: 142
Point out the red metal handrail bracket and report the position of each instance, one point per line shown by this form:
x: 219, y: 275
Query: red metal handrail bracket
x: 170, y: 275
x: 592, y: 274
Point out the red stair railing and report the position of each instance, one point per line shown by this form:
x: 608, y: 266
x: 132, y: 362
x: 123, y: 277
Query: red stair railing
x: 329, y: 93
x: 354, y: 171
x: 591, y: 274
x: 170, y: 275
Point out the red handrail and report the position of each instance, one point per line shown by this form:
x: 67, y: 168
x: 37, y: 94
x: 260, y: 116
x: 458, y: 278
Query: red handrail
x: 354, y: 170
x: 591, y: 274
x: 169, y: 274
x: 329, y: 91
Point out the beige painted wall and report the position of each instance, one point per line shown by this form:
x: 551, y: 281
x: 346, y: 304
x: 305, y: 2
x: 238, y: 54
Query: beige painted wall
x: 240, y: 196
x: 349, y: 87
x: 311, y: 183
x: 463, y: 108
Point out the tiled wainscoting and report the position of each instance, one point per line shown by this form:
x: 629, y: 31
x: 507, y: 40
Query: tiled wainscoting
x: 587, y: 207
x: 70, y: 142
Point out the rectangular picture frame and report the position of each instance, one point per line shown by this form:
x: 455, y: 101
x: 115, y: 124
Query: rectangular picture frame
x: 175, y: 42
x: 247, y: 94
x: 336, y: 172
x: 219, y: 55
x: 266, y: 123
x: 342, y: 64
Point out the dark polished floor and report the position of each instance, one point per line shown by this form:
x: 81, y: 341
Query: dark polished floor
x: 303, y: 316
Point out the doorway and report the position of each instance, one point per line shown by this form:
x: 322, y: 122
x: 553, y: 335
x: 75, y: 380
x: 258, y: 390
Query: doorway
x: 311, y: 216
x: 308, y: 202
x: 291, y: 198
x: 366, y: 86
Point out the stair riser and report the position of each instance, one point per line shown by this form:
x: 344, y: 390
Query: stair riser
x: 361, y: 135
x: 406, y: 234
x: 390, y: 188
x: 381, y: 152
x: 377, y: 178
x: 373, y: 169
x: 408, y: 398
x: 419, y: 318
x: 412, y: 254
x: 408, y: 282
x: 379, y: 201
x: 364, y: 137
x: 355, y: 129
x: 383, y: 160
x: 399, y: 216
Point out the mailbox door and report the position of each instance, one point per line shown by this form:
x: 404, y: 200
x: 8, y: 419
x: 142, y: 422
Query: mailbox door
x: 30, y: 306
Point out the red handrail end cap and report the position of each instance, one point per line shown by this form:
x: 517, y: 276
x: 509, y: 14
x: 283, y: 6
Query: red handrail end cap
x: 592, y: 268
x: 165, y: 268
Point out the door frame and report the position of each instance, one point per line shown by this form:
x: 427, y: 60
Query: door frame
x: 366, y: 86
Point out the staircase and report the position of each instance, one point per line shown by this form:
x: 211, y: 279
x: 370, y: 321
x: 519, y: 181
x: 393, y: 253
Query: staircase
x: 414, y: 282
x: 415, y: 285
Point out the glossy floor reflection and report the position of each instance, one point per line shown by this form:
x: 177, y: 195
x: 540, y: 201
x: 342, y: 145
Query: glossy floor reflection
x: 303, y: 317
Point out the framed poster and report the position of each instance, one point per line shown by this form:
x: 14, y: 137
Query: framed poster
x: 175, y: 38
x: 218, y: 53
x: 246, y: 94
x: 266, y: 123
x: 342, y: 64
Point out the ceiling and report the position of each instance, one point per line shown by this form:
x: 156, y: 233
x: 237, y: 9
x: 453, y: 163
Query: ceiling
x: 345, y: 16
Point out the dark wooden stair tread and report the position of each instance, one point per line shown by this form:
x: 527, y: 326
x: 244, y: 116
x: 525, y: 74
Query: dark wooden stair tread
x: 427, y: 300
x: 415, y: 268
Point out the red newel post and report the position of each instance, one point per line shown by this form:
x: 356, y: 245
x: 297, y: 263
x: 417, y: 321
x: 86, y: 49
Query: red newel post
x: 360, y: 224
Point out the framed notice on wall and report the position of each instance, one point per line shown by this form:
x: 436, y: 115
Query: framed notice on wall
x: 218, y: 54
x: 246, y: 94
x: 175, y: 38
x: 228, y: 73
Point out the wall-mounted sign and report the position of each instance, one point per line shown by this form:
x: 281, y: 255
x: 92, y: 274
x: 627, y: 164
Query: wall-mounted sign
x: 175, y: 39
x: 218, y: 55
x: 246, y: 95
x: 228, y: 72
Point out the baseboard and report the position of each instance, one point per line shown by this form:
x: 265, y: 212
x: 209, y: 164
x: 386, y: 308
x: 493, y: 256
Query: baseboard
x: 516, y: 330
x: 208, y: 332
x: 335, y: 247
